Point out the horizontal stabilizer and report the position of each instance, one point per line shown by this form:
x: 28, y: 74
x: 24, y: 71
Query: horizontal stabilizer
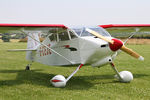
x: 11, y: 50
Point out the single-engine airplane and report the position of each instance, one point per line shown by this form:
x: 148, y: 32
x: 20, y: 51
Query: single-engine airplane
x: 72, y: 46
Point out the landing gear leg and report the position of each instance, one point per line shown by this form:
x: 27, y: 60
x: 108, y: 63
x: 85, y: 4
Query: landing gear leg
x: 116, y: 71
x: 74, y: 72
x: 123, y: 76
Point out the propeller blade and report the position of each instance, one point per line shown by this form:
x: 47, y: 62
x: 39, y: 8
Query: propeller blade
x: 99, y: 36
x: 132, y: 53
x: 116, y: 44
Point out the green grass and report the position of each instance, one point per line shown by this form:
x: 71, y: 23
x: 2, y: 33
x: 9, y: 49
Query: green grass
x: 88, y: 84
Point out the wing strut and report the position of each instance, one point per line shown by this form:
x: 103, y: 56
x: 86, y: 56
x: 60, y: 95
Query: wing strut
x: 49, y: 48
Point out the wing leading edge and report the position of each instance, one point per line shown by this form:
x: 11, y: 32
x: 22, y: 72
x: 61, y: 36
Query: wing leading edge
x: 17, y: 28
x: 124, y: 25
x: 127, y: 29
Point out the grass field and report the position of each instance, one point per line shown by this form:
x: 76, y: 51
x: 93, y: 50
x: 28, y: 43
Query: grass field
x: 88, y: 84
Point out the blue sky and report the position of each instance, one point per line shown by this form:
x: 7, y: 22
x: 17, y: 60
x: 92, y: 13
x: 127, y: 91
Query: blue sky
x: 75, y: 12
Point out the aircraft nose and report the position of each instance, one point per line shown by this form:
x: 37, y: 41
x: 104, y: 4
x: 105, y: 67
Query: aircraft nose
x: 117, y: 44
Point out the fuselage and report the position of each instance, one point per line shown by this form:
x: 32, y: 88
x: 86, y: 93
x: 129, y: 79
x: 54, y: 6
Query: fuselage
x: 80, y: 47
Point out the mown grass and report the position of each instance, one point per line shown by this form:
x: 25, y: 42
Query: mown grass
x: 88, y: 84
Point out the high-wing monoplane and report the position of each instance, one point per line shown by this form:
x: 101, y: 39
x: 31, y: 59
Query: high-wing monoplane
x: 64, y: 46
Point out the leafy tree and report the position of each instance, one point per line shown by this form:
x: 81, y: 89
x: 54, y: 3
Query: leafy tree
x: 6, y: 37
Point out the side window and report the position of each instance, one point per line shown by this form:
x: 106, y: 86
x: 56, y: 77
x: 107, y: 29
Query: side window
x: 53, y: 37
x: 72, y: 35
x: 63, y: 36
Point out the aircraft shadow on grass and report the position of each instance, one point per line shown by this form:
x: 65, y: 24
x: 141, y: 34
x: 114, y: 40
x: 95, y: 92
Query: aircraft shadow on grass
x: 43, y: 79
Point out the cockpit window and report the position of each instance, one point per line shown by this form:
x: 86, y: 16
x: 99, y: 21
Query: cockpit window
x: 59, y: 35
x: 72, y: 35
x: 53, y: 37
x: 62, y: 35
x: 77, y: 30
x: 82, y: 32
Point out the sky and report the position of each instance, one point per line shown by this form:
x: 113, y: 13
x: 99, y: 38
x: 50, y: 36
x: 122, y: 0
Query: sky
x: 75, y: 12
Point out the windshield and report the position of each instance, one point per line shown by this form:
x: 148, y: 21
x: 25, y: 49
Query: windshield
x: 83, y: 32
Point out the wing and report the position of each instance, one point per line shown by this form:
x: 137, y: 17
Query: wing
x: 16, y: 28
x: 124, y: 25
x: 125, y: 30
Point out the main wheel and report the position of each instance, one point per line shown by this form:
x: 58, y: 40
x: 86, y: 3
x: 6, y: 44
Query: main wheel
x: 58, y: 81
x: 126, y: 76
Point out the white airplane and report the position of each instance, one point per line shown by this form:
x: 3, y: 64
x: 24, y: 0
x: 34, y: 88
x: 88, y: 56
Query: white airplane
x: 72, y: 46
